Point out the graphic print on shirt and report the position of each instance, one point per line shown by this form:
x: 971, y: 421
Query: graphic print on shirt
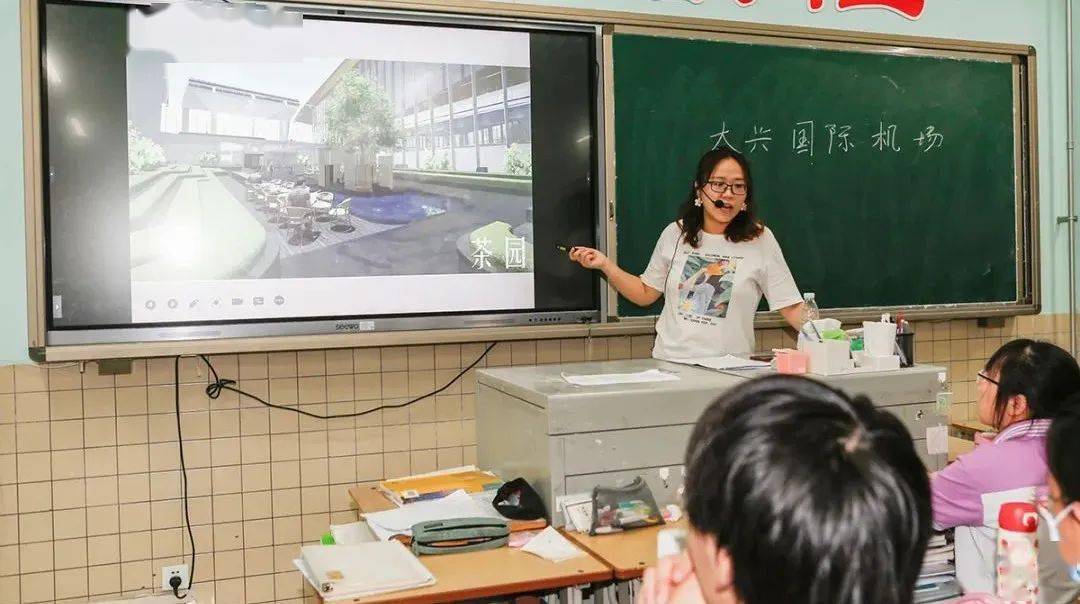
x: 705, y: 287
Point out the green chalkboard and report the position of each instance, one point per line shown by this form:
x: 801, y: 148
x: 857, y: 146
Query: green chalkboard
x: 880, y: 212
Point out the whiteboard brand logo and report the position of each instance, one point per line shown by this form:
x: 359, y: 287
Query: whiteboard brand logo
x: 912, y: 9
x: 344, y: 326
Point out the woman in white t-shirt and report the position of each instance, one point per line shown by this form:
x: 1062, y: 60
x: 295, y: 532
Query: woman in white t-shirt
x: 712, y: 266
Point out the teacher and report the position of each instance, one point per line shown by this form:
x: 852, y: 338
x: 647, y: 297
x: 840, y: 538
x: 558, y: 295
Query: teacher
x: 712, y: 265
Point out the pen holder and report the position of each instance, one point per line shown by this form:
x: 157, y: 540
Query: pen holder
x: 906, y: 343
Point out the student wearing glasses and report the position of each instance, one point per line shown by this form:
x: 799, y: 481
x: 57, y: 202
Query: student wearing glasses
x: 1021, y: 389
x: 712, y: 266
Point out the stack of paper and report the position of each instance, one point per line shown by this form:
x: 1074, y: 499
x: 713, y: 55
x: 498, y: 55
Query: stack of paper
x: 551, y: 545
x: 399, y: 521
x: 438, y: 484
x: 342, y: 572
x: 727, y: 362
x: 605, y: 379
x: 937, y: 578
x: 576, y: 510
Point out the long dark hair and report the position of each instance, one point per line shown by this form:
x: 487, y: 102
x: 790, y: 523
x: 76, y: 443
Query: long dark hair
x: 1045, y: 374
x: 818, y: 497
x: 744, y: 227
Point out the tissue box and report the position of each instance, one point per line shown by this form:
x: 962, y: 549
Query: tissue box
x: 828, y: 357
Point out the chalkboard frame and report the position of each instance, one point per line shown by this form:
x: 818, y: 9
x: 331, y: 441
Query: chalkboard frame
x: 1028, y: 296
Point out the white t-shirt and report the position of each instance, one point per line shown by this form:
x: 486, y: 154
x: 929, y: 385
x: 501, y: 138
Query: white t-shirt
x: 711, y: 292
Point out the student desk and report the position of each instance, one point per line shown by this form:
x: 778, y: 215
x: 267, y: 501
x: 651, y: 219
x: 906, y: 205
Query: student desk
x: 499, y: 572
x: 488, y: 574
x: 628, y: 553
x: 567, y: 439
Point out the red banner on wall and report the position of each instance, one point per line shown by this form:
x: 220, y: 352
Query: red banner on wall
x: 912, y: 9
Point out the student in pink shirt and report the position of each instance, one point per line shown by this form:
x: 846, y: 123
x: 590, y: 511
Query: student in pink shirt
x: 1022, y: 388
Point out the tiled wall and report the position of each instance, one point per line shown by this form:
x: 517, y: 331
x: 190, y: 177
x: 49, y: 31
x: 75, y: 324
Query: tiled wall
x: 89, y: 471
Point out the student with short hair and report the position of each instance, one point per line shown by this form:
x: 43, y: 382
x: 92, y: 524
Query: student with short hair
x: 797, y: 493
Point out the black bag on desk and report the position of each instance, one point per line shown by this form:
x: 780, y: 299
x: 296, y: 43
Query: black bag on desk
x: 459, y: 535
x: 518, y: 501
x: 619, y: 508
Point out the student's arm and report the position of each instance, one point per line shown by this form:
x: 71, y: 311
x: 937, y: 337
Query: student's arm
x: 630, y: 286
x: 955, y: 495
x: 779, y: 286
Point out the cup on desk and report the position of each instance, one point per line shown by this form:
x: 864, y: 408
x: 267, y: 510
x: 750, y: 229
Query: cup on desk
x: 906, y: 344
x: 670, y: 542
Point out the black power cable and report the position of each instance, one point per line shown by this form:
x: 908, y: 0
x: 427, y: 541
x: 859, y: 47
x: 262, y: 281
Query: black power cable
x: 184, y: 481
x: 214, y: 391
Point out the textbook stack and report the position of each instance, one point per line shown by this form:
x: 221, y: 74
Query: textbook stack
x: 937, y: 579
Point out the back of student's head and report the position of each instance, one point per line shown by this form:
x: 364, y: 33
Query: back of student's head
x: 1045, y: 374
x: 1063, y: 450
x: 816, y: 497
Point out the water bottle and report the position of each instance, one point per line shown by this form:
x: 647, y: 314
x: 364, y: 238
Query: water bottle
x: 1017, y: 553
x: 810, y: 309
x: 810, y: 313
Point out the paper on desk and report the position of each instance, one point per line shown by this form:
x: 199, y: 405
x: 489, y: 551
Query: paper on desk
x: 604, y: 379
x: 349, y: 534
x: 400, y: 520
x: 577, y: 511
x: 551, y: 545
x: 726, y: 362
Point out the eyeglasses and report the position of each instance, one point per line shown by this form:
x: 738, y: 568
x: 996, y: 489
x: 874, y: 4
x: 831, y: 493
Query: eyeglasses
x: 721, y: 187
x: 984, y: 377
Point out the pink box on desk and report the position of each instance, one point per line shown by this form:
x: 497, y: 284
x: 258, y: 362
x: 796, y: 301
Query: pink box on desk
x: 792, y: 361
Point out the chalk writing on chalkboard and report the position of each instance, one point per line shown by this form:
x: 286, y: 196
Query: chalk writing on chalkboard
x: 836, y: 138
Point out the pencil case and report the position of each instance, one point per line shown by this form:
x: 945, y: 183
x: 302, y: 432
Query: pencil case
x: 459, y: 535
x: 619, y: 508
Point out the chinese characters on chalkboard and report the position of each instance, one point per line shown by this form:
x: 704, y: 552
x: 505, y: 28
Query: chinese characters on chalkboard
x: 830, y: 139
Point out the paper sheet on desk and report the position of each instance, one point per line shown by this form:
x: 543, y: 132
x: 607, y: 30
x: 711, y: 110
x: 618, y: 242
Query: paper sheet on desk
x: 551, y: 545
x: 604, y: 379
x: 726, y: 362
x: 399, y: 521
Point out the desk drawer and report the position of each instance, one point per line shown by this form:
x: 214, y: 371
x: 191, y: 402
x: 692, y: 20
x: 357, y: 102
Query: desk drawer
x: 616, y: 450
x: 917, y: 418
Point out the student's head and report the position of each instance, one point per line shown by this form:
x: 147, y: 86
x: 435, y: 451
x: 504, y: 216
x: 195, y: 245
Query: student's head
x: 723, y: 174
x: 1063, y: 457
x: 1025, y: 379
x: 798, y: 493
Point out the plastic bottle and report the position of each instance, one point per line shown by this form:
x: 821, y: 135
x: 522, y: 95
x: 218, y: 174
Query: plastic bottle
x: 809, y: 315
